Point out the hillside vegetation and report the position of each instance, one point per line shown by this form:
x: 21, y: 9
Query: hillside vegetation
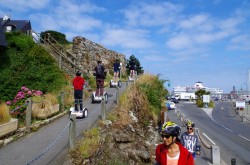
x: 29, y: 64
x: 129, y: 135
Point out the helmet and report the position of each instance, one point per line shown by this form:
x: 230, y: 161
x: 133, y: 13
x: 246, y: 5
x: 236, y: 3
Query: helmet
x: 78, y: 73
x: 171, y: 128
x: 99, y: 61
x: 190, y: 124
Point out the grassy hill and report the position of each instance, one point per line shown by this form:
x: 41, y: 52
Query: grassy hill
x: 26, y: 63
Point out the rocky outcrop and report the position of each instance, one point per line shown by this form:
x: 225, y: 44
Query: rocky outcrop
x: 88, y: 52
x: 131, y: 144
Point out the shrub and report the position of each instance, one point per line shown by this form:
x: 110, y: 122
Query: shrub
x: 4, y: 113
x: 52, y: 98
x: 18, y: 104
x: 199, y: 103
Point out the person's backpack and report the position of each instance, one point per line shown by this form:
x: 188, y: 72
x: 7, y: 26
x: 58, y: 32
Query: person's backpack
x: 99, y: 71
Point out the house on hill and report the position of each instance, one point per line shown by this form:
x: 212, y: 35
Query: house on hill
x: 8, y: 25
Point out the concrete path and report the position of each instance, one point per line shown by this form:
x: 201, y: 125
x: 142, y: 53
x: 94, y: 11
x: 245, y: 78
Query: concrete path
x: 50, y: 144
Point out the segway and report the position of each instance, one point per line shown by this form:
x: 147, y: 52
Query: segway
x: 115, y: 84
x: 79, y: 114
x: 98, y: 99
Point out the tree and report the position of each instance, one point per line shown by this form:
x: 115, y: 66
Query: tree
x: 199, y: 94
x: 59, y: 37
x: 139, y: 69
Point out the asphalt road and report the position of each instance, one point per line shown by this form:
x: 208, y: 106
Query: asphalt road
x: 50, y: 144
x: 223, y: 128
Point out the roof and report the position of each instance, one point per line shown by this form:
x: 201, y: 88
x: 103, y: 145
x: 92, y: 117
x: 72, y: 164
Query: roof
x: 3, y: 41
x: 22, y: 25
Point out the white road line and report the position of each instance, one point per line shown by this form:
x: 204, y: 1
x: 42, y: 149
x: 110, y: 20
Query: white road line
x: 244, y: 138
x: 226, y: 128
x: 209, y: 139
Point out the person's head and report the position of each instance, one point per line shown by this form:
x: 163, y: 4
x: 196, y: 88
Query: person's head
x: 170, y: 131
x: 116, y: 60
x: 78, y: 73
x: 99, y: 62
x: 190, y: 126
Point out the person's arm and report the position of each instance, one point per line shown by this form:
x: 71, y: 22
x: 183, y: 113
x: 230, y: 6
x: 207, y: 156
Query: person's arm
x: 190, y: 159
x: 197, y: 146
x: 181, y: 139
x: 157, y: 155
x: 94, y: 72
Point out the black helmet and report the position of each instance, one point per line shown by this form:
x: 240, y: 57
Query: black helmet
x: 78, y: 73
x: 171, y: 128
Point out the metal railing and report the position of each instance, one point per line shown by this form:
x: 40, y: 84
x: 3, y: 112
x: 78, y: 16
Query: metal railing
x: 64, y: 58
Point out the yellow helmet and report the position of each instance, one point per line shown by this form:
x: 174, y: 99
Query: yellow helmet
x: 190, y: 123
x: 171, y: 128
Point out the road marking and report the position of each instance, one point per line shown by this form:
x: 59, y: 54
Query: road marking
x: 209, y: 139
x: 226, y: 128
x: 244, y: 138
x: 209, y: 113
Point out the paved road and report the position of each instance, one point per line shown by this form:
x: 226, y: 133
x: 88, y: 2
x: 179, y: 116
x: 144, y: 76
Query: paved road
x: 221, y: 127
x: 204, y: 158
x: 29, y: 147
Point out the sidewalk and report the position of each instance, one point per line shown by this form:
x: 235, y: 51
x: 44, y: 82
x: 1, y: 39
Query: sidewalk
x: 50, y: 144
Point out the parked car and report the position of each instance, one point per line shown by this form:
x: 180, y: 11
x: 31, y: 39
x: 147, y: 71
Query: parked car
x: 175, y: 100
x: 170, y: 105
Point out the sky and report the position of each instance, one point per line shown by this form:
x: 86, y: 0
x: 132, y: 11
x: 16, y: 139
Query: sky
x: 183, y: 41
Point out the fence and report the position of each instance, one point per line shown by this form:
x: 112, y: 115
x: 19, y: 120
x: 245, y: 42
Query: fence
x: 71, y: 125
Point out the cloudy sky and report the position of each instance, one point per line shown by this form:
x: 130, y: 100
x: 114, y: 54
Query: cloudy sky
x: 183, y: 40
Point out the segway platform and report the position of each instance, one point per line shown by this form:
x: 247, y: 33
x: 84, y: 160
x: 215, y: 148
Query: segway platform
x: 98, y: 99
x: 79, y: 114
x: 131, y: 78
x: 115, y: 84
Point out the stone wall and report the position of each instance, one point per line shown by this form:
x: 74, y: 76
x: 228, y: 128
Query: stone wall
x: 88, y: 52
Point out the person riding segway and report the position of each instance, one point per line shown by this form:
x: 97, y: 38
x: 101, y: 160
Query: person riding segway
x: 100, y: 74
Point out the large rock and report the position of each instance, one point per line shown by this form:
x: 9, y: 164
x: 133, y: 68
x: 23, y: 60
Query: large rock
x: 88, y: 52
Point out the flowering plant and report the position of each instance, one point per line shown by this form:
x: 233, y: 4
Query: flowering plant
x: 18, y: 104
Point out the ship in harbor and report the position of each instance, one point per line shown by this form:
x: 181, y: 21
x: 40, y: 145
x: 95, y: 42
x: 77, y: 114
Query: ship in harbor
x: 214, y: 92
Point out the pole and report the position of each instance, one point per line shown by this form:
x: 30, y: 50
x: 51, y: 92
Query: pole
x: 28, y: 113
x: 72, y: 131
x: 103, y: 109
x: 117, y: 95
x: 62, y: 101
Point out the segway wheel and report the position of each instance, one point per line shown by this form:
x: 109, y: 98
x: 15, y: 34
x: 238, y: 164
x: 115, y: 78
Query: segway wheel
x: 85, y: 113
x: 92, y: 99
x: 106, y: 98
x: 119, y: 84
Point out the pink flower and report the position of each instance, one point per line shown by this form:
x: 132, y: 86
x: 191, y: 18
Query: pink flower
x: 29, y: 92
x: 8, y: 102
x: 24, y: 88
x: 38, y: 93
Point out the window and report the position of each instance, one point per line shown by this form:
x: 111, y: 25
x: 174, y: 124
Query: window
x: 8, y: 28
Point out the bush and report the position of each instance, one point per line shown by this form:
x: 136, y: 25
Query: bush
x: 199, y: 103
x: 4, y: 113
x: 18, y: 104
x: 27, y: 64
x: 59, y: 37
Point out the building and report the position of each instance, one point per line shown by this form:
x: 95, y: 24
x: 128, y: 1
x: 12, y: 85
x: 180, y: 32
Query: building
x: 8, y: 25
x: 214, y: 92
